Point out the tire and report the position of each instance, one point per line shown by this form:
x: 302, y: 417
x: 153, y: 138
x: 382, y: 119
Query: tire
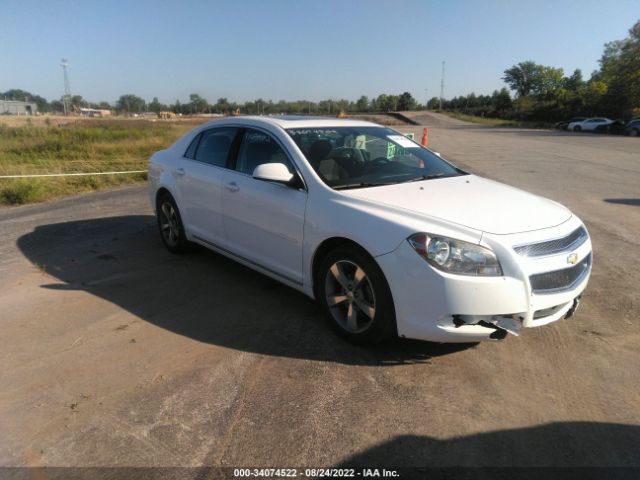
x: 577, y: 128
x: 170, y: 225
x: 364, y: 312
x: 634, y: 132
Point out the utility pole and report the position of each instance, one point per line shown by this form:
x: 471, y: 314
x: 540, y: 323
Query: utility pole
x: 442, y: 85
x: 426, y: 97
x: 66, y: 99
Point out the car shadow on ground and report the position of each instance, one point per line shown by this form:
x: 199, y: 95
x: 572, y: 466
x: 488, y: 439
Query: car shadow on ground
x: 624, y: 201
x: 562, y: 451
x: 201, y: 295
x: 566, y: 450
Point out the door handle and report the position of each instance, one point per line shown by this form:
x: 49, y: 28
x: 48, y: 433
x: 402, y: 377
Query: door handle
x: 179, y: 171
x: 232, y: 186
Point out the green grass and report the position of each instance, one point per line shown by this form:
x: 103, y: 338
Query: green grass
x: 497, y: 122
x: 78, y: 147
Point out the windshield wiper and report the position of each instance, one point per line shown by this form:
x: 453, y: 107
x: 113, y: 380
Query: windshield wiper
x: 429, y: 177
x: 361, y: 185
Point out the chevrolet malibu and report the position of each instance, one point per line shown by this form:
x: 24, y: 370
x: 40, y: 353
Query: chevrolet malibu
x: 390, y: 238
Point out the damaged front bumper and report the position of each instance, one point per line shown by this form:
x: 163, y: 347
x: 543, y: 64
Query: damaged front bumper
x: 504, y: 324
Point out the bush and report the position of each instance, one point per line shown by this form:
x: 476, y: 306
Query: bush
x: 19, y: 191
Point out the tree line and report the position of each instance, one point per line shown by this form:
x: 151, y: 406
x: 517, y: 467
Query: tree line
x: 545, y: 93
x: 129, y: 104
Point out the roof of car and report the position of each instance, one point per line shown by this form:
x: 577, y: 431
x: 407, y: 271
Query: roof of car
x: 299, y: 121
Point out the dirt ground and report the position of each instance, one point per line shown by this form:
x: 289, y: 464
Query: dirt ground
x: 117, y: 353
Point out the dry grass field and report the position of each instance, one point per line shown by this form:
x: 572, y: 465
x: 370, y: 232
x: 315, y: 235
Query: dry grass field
x: 52, y: 145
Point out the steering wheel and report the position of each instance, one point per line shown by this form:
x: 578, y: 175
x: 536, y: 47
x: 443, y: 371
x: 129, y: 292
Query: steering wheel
x: 377, y: 163
x: 342, y: 153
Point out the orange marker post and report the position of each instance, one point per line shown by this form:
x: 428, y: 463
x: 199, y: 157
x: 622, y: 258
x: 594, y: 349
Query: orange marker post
x: 425, y: 138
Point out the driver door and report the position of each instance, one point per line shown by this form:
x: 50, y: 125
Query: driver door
x: 263, y: 221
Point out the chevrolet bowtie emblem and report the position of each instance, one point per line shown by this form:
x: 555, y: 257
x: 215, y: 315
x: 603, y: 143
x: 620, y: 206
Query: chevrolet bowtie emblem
x: 572, y: 259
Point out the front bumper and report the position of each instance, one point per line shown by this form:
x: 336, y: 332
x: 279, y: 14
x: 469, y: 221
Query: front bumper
x: 436, y: 306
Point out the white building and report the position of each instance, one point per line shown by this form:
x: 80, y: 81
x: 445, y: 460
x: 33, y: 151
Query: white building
x: 16, y: 107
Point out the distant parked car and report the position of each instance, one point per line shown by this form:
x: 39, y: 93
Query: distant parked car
x: 632, y: 128
x: 590, y: 124
x: 616, y: 127
x: 565, y: 123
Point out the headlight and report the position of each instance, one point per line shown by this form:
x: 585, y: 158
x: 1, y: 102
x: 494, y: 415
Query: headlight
x: 456, y: 256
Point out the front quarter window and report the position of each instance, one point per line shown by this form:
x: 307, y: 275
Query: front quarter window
x: 355, y: 157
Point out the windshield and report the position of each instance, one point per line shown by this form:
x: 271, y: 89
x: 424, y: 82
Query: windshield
x: 356, y: 157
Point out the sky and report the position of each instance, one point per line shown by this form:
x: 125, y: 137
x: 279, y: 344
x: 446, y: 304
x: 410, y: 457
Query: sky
x: 295, y: 49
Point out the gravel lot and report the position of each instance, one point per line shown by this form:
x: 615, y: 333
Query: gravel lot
x: 117, y: 353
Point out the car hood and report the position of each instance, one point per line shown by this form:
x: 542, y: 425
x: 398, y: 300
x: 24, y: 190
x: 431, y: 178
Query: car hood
x: 470, y: 201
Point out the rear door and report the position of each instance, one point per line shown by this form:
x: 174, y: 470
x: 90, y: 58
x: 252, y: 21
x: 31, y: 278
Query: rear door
x: 593, y: 123
x: 263, y: 221
x: 200, y: 181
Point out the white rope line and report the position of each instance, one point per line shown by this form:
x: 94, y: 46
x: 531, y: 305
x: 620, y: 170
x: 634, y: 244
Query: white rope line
x: 70, y: 174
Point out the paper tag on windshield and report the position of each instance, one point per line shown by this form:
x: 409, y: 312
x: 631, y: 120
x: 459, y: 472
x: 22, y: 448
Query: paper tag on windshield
x: 404, y: 142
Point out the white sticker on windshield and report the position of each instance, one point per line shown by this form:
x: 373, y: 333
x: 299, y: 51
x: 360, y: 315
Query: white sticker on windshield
x: 404, y: 142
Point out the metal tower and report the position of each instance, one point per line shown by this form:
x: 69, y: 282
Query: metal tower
x: 442, y: 85
x: 66, y: 99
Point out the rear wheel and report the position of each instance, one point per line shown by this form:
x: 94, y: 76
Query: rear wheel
x: 170, y: 224
x: 356, y: 297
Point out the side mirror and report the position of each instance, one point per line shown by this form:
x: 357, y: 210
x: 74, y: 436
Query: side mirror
x: 273, y: 172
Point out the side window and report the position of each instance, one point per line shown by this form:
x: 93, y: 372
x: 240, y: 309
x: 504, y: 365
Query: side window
x: 214, y: 146
x: 191, y: 151
x: 258, y: 148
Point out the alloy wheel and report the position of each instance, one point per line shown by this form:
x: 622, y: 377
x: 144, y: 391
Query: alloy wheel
x: 350, y: 296
x: 169, y: 224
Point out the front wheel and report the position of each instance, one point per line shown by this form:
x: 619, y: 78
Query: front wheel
x: 577, y: 128
x: 356, y: 297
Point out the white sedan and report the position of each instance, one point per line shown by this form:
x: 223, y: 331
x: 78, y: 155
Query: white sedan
x: 390, y: 238
x: 589, y: 125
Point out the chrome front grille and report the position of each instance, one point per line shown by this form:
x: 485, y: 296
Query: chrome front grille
x: 559, y: 280
x: 552, y: 247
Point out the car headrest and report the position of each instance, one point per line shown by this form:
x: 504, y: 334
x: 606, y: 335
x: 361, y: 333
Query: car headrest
x: 319, y: 150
